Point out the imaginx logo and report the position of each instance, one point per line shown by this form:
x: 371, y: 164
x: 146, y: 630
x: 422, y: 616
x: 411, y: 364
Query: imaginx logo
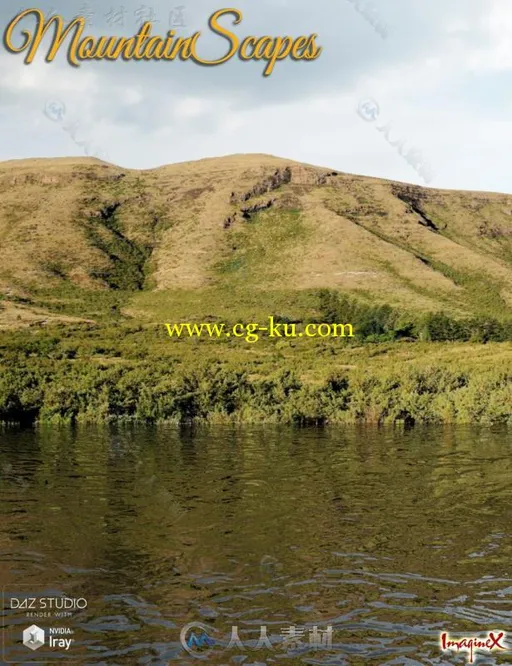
x: 494, y: 641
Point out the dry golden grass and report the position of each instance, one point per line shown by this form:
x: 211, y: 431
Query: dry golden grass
x: 13, y: 316
x: 422, y: 248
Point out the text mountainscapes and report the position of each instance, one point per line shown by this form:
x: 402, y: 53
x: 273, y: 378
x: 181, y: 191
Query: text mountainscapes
x: 144, y: 46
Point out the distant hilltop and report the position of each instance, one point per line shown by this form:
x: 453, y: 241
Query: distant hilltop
x: 257, y: 221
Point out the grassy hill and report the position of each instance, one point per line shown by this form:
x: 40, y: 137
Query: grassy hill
x: 95, y: 258
x: 250, y: 224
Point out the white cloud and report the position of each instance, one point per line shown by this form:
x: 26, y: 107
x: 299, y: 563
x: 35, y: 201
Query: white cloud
x: 132, y: 96
x: 191, y: 107
x: 432, y: 76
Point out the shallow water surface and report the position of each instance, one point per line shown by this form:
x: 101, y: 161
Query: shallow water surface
x: 389, y: 537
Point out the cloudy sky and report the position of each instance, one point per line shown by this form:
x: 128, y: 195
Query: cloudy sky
x: 412, y: 90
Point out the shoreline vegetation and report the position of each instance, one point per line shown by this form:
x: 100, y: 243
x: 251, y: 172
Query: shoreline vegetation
x: 397, y: 370
x: 86, y: 394
x: 97, y: 258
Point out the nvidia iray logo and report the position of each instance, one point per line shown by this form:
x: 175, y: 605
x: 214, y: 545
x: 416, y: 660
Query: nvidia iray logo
x: 33, y: 637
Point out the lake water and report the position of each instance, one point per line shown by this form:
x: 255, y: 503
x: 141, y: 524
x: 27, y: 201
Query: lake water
x: 389, y: 537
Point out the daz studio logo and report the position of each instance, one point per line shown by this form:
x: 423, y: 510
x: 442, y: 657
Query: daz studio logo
x: 33, y: 637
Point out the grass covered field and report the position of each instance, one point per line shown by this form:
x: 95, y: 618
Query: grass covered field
x: 97, y: 259
x: 96, y: 373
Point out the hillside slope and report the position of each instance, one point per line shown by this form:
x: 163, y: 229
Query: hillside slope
x: 249, y: 224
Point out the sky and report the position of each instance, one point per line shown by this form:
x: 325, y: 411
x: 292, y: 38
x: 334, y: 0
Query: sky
x: 410, y: 90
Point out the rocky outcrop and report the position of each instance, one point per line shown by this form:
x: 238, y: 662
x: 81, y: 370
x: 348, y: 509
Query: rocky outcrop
x: 324, y: 178
x: 487, y: 231
x: 413, y: 198
x: 277, y: 179
x: 305, y: 176
x: 296, y: 174
x: 32, y: 179
x: 247, y: 213
x: 230, y: 220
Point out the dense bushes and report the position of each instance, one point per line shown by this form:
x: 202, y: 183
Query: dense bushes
x: 71, y: 392
x: 117, y: 370
x: 441, y: 328
x: 382, y: 323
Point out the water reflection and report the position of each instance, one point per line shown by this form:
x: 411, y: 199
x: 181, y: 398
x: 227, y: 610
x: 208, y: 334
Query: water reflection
x: 390, y: 537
